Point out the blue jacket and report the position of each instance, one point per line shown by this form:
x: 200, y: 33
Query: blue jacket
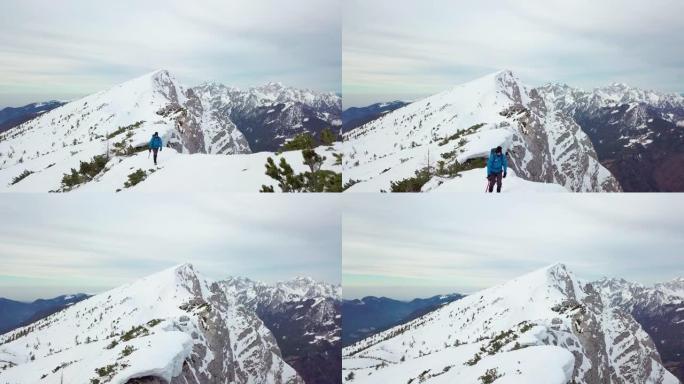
x: 496, y: 163
x: 155, y: 142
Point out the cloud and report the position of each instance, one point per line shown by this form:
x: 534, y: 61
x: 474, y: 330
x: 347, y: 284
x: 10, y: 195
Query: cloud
x: 418, y: 48
x: 75, y: 243
x: 405, y: 244
x: 76, y: 47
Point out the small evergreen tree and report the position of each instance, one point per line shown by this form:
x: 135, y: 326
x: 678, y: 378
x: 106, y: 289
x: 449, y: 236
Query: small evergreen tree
x: 283, y: 173
x: 299, y: 142
x: 327, y: 137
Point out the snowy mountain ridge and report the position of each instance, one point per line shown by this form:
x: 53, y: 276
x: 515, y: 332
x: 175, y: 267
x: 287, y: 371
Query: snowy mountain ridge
x: 462, y: 124
x: 173, y: 327
x: 546, y: 326
x: 117, y: 124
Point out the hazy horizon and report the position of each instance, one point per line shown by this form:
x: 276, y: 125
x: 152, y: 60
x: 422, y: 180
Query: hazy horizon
x: 413, y: 246
x: 69, y: 49
x: 423, y: 48
x: 88, y: 243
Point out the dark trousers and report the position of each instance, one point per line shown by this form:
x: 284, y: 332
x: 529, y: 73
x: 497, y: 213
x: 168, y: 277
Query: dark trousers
x: 495, y: 178
x: 154, y: 154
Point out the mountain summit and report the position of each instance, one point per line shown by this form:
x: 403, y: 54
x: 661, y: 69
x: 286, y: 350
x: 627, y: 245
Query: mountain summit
x: 451, y: 132
x: 173, y: 327
x: 110, y: 130
x: 546, y: 326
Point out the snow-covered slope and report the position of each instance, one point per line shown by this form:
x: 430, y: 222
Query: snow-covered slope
x: 176, y: 172
x: 546, y: 326
x: 119, y: 122
x: 464, y: 123
x: 467, y: 181
x: 173, y: 327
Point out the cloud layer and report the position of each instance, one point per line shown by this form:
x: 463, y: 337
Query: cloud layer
x: 71, y: 48
x: 411, y: 49
x: 409, y: 246
x: 63, y: 244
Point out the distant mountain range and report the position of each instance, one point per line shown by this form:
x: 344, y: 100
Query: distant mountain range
x: 11, y: 117
x: 17, y: 313
x: 608, y: 139
x: 357, y: 116
x: 370, y: 315
x: 547, y: 326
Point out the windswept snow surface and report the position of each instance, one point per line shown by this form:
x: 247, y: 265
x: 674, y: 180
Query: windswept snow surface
x: 175, y: 172
x: 466, y: 122
x: 544, y: 327
x: 475, y: 181
x: 173, y: 325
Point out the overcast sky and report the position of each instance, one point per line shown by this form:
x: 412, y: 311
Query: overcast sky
x: 66, y: 49
x: 406, y: 246
x: 52, y: 245
x: 416, y: 48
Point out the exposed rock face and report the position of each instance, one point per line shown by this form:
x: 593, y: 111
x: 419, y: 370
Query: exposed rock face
x: 660, y: 312
x: 549, y: 146
x: 637, y: 134
x: 304, y: 316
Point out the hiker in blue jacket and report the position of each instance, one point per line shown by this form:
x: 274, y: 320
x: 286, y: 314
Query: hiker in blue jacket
x: 497, y: 165
x: 155, y: 145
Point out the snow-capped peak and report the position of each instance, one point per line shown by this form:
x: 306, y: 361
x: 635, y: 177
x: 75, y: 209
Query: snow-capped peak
x: 462, y: 124
x: 172, y: 326
x: 544, y: 326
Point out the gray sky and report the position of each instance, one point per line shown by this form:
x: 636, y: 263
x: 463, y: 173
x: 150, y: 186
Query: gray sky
x: 52, y: 245
x: 66, y: 49
x: 406, y: 246
x: 412, y: 49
